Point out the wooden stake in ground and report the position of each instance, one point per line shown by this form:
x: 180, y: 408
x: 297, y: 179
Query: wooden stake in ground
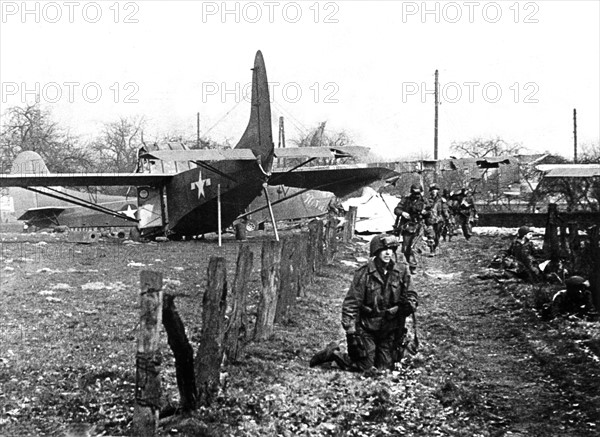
x: 183, y: 353
x: 210, y: 350
x: 594, y: 233
x: 237, y: 327
x: 350, y: 224
x: 287, y: 283
x: 330, y: 238
x: 147, y: 375
x: 269, y: 274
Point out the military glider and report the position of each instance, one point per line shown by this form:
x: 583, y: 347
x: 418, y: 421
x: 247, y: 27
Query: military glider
x: 205, y: 190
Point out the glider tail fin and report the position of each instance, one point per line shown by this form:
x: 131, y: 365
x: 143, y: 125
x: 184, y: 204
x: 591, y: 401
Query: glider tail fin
x: 258, y: 135
x: 29, y: 163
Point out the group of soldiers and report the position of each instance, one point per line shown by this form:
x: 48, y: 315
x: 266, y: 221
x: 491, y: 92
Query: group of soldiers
x: 432, y: 217
x: 382, y: 295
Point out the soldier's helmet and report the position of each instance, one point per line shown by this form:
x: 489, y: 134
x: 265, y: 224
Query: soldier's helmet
x: 415, y: 189
x: 576, y: 283
x: 434, y: 187
x: 523, y: 230
x: 383, y: 241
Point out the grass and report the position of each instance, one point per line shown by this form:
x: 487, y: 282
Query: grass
x: 487, y: 364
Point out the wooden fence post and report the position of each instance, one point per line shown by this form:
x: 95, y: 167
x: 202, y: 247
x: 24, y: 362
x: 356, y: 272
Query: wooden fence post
x: 350, y: 224
x: 237, y: 327
x: 315, y: 247
x: 594, y: 233
x: 551, y: 244
x: 301, y: 261
x: 269, y: 274
x: 287, y: 282
x: 183, y: 353
x: 330, y: 238
x: 147, y: 362
x: 210, y: 350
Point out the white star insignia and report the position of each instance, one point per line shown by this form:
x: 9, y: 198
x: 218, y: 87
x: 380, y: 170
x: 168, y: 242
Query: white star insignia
x: 129, y: 212
x: 200, y: 185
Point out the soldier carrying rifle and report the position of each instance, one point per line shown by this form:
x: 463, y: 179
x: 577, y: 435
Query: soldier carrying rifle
x: 409, y: 223
x: 374, y: 311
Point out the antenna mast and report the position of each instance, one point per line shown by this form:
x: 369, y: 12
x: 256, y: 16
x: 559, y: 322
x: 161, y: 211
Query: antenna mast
x: 575, y: 136
x: 198, y: 130
x: 435, y: 128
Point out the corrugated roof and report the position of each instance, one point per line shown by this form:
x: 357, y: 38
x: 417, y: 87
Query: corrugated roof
x: 570, y: 170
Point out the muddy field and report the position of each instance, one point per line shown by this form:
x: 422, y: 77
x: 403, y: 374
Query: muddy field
x: 488, y: 366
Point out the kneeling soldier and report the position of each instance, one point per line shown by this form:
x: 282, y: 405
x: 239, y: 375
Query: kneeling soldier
x: 374, y: 311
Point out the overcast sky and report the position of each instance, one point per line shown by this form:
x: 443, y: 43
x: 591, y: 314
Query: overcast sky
x: 510, y: 69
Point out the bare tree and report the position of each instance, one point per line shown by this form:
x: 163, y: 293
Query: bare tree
x: 32, y: 128
x: 590, y: 153
x: 480, y: 148
x: 319, y: 137
x: 117, y: 146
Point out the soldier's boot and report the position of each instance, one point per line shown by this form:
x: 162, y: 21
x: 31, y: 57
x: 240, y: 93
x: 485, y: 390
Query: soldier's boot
x: 326, y: 355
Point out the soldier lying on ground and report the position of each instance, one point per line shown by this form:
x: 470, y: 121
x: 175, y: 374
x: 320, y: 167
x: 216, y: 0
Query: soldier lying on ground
x: 575, y: 300
x: 374, y: 311
x: 522, y: 250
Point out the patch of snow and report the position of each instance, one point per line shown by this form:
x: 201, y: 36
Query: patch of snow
x: 61, y: 286
x: 46, y: 292
x: 48, y: 270
x: 96, y: 286
x: 53, y: 299
x: 349, y: 263
x: 135, y: 264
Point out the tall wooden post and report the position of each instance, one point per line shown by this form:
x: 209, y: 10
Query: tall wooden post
x: 435, y: 126
x: 551, y: 244
x: 269, y: 274
x: 594, y: 233
x: 330, y: 238
x: 287, y: 285
x: 350, y: 224
x: 575, y: 136
x: 210, y: 350
x: 237, y: 327
x: 183, y: 354
x: 147, y: 363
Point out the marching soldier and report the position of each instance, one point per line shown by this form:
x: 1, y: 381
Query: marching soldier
x: 409, y: 223
x: 466, y: 213
x: 435, y: 216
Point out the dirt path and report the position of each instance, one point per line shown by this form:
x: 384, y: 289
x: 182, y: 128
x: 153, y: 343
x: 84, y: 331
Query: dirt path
x: 504, y: 367
x: 487, y: 365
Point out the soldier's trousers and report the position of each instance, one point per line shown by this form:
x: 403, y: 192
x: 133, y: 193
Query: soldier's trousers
x: 464, y: 222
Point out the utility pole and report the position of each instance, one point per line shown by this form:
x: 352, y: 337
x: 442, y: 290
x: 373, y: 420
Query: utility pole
x: 281, y: 133
x: 575, y: 136
x: 198, y: 130
x: 435, y: 128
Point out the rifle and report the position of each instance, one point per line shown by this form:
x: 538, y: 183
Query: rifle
x: 402, y: 343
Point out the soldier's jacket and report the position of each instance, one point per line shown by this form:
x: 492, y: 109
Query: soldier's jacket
x: 370, y: 295
x: 523, y: 252
x: 465, y: 205
x: 413, y: 206
x: 578, y: 302
x: 436, y: 210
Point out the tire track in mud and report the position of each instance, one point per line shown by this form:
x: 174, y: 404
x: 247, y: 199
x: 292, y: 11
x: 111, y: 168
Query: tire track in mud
x: 515, y: 373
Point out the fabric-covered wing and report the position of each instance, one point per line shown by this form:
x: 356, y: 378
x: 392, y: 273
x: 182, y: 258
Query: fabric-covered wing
x: 321, y: 152
x: 83, y: 179
x: 201, y: 155
x: 340, y: 180
x: 47, y: 212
